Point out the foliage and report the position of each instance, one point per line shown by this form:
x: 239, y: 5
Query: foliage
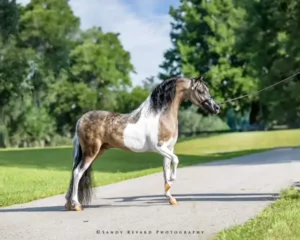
x: 192, y: 123
x: 51, y: 71
x: 204, y: 38
x: 243, y: 46
x: 270, y: 43
x: 9, y: 16
x: 128, y: 101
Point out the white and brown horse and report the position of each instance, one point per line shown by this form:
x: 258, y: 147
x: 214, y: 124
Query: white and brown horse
x: 152, y: 127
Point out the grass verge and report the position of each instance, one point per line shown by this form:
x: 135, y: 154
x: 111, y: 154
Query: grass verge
x: 279, y: 221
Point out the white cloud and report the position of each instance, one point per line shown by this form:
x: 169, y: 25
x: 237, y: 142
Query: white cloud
x: 143, y: 33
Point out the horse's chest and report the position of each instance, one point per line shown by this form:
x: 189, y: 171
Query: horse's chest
x: 143, y: 135
x: 167, y: 129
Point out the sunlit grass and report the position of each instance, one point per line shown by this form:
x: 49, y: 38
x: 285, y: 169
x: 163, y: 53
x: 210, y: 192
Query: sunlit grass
x: 240, y: 141
x: 279, y: 221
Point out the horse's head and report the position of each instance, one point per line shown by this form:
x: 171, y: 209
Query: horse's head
x: 200, y: 96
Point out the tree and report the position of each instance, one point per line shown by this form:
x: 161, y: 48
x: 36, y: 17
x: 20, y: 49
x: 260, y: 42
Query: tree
x: 14, y: 71
x: 99, y: 69
x: 129, y: 101
x: 10, y: 56
x: 37, y: 52
x: 100, y: 61
x: 204, y: 38
x: 49, y: 27
x: 68, y: 101
x: 269, y: 42
x: 9, y: 17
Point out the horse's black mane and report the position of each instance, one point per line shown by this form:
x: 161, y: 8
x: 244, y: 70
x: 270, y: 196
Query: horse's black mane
x: 163, y: 94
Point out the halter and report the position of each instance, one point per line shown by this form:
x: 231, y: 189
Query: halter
x: 200, y: 79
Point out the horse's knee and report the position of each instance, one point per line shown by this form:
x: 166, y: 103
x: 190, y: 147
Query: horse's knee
x: 175, y: 160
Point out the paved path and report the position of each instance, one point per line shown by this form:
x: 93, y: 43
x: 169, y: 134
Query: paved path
x: 211, y: 197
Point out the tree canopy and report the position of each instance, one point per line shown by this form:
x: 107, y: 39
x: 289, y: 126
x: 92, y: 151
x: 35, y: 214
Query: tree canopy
x: 51, y: 71
x: 242, y: 46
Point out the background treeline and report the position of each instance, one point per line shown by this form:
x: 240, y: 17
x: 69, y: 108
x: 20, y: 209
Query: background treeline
x: 51, y: 71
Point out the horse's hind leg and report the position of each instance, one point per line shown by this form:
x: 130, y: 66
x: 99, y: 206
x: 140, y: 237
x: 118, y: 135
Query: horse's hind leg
x: 81, y: 179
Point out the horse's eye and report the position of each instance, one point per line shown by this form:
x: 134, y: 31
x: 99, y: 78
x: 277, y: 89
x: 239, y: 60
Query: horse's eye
x: 200, y: 90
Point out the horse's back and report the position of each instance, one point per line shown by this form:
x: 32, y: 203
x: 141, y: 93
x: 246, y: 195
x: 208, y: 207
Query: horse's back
x: 93, y: 124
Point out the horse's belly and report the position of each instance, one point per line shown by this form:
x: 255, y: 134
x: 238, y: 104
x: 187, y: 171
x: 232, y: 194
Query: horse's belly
x: 140, y: 137
x: 136, y: 140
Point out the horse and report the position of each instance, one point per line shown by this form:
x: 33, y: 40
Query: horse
x: 152, y: 127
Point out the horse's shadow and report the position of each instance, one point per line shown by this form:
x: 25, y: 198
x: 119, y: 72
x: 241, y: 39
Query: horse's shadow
x: 56, y: 208
x: 202, y: 197
x: 159, y: 200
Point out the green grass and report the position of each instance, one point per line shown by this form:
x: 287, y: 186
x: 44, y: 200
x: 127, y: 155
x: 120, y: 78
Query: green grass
x: 29, y: 174
x: 240, y: 141
x: 279, y: 221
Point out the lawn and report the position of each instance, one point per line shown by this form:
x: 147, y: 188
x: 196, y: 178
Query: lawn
x: 279, y: 221
x: 29, y: 174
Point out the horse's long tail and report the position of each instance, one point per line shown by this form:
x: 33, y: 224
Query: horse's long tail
x: 85, y: 182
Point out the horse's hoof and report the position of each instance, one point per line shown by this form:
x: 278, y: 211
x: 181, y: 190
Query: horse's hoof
x: 173, y: 201
x: 78, y: 208
x: 167, y: 187
x: 68, y: 206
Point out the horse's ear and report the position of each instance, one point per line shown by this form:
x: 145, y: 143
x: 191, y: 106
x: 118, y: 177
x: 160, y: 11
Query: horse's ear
x: 200, y: 78
x: 196, y: 79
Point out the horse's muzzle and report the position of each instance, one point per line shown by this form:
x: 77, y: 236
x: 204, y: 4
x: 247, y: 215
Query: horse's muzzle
x: 217, y: 108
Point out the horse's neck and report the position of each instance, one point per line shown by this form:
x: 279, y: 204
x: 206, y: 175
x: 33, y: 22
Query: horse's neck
x: 171, y: 111
x: 173, y: 108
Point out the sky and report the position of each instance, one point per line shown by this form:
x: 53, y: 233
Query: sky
x: 144, y: 27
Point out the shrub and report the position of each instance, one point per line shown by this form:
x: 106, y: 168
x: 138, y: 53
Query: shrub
x: 192, y: 123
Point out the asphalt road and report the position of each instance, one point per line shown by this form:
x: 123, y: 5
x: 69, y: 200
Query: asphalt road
x: 211, y: 197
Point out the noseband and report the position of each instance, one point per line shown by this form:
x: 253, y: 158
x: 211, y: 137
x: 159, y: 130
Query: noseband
x: 205, y: 100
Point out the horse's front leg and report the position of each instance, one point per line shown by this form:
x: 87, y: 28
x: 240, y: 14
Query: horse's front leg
x: 169, y: 157
x: 167, y: 177
x: 175, y: 165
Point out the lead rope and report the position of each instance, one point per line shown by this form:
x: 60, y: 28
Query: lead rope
x: 249, y: 94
